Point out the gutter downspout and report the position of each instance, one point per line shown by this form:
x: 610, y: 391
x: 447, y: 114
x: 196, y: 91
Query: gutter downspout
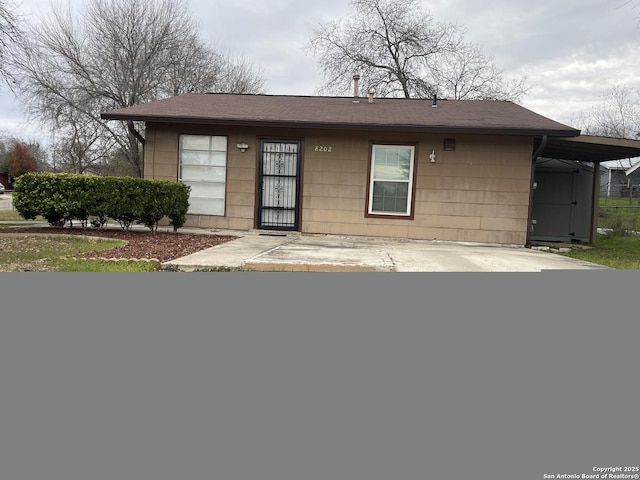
x: 535, y: 156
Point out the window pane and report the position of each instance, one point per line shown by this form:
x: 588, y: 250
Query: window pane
x: 194, y: 157
x: 197, y: 157
x: 392, y: 163
x: 206, y: 206
x: 391, y: 172
x: 204, y: 174
x: 402, y: 190
x: 218, y: 159
x: 212, y: 190
x: 390, y: 197
x: 219, y: 144
x: 195, y: 142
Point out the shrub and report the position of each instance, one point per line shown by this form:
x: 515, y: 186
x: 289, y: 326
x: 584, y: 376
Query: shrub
x: 618, y: 228
x: 62, y: 198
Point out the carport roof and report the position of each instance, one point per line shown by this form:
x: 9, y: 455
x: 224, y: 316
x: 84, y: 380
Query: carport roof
x: 383, y: 114
x: 589, y: 148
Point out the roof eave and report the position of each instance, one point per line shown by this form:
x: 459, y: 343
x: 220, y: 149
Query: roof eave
x: 632, y: 169
x: 344, y: 126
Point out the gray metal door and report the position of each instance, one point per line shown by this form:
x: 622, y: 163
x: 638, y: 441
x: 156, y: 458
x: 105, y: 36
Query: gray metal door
x: 279, y: 184
x: 553, y: 206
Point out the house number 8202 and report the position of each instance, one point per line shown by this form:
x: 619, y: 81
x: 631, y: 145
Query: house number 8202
x: 322, y: 148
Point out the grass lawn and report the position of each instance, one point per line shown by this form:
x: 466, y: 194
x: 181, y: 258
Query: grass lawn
x: 55, y: 253
x: 618, y: 202
x: 619, y: 215
x: 43, y: 253
x: 70, y: 265
x: 12, y: 216
x: 619, y: 252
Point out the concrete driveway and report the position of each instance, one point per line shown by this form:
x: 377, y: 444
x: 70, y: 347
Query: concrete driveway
x: 260, y: 251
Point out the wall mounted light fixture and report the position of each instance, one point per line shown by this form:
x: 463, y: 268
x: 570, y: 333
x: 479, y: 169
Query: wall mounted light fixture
x: 243, y: 147
x: 433, y: 156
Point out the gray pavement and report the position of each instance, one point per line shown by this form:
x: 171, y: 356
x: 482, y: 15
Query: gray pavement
x: 264, y: 251
x: 6, y: 201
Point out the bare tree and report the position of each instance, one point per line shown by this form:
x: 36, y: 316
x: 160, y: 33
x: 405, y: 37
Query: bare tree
x: 468, y: 73
x: 80, y: 147
x: 617, y: 116
x: 9, y: 32
x: 398, y: 49
x: 117, y: 53
x: 634, y: 5
x: 238, y: 74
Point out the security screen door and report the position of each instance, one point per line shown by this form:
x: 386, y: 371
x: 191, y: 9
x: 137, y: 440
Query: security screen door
x: 279, y: 184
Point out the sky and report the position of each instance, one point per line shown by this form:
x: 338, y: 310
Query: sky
x: 573, y: 52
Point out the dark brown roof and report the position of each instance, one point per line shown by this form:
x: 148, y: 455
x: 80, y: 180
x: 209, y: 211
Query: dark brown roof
x: 589, y: 148
x: 394, y: 114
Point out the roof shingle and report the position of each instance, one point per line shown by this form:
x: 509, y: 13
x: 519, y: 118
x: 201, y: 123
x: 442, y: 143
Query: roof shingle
x: 394, y: 114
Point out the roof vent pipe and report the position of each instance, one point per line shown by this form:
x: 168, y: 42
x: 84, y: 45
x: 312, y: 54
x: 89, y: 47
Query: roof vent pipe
x: 356, y: 90
x: 435, y: 100
x: 371, y: 92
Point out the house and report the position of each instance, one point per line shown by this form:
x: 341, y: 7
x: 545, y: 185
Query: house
x: 453, y: 170
x: 618, y: 177
x: 633, y: 177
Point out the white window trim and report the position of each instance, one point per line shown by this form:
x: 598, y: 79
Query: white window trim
x: 410, y: 181
x: 204, y: 183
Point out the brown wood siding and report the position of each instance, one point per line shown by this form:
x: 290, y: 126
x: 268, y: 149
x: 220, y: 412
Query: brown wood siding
x: 161, y: 162
x: 478, y: 192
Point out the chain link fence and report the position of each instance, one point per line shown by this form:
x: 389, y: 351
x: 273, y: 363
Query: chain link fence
x: 620, y: 215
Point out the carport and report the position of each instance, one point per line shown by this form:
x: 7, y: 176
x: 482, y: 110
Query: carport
x: 565, y: 185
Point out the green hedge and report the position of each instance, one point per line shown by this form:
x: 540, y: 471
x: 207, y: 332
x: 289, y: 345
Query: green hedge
x: 62, y: 198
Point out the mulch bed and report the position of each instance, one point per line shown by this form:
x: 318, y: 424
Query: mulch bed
x: 142, y: 245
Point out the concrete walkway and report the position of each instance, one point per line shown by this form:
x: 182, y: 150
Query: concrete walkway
x: 270, y: 251
x: 6, y: 201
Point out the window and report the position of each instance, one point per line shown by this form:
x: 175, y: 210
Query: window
x: 391, y: 181
x: 203, y: 166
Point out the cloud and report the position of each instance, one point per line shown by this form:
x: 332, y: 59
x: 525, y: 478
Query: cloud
x: 273, y: 34
x: 564, y: 87
x: 572, y: 51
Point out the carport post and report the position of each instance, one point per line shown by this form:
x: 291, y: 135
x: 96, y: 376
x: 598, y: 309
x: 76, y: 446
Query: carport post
x: 595, y: 205
x: 535, y: 156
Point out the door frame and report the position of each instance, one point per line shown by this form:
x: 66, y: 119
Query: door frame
x: 259, y: 184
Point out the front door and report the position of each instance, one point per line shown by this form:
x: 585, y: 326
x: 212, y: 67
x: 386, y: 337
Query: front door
x: 279, y: 184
